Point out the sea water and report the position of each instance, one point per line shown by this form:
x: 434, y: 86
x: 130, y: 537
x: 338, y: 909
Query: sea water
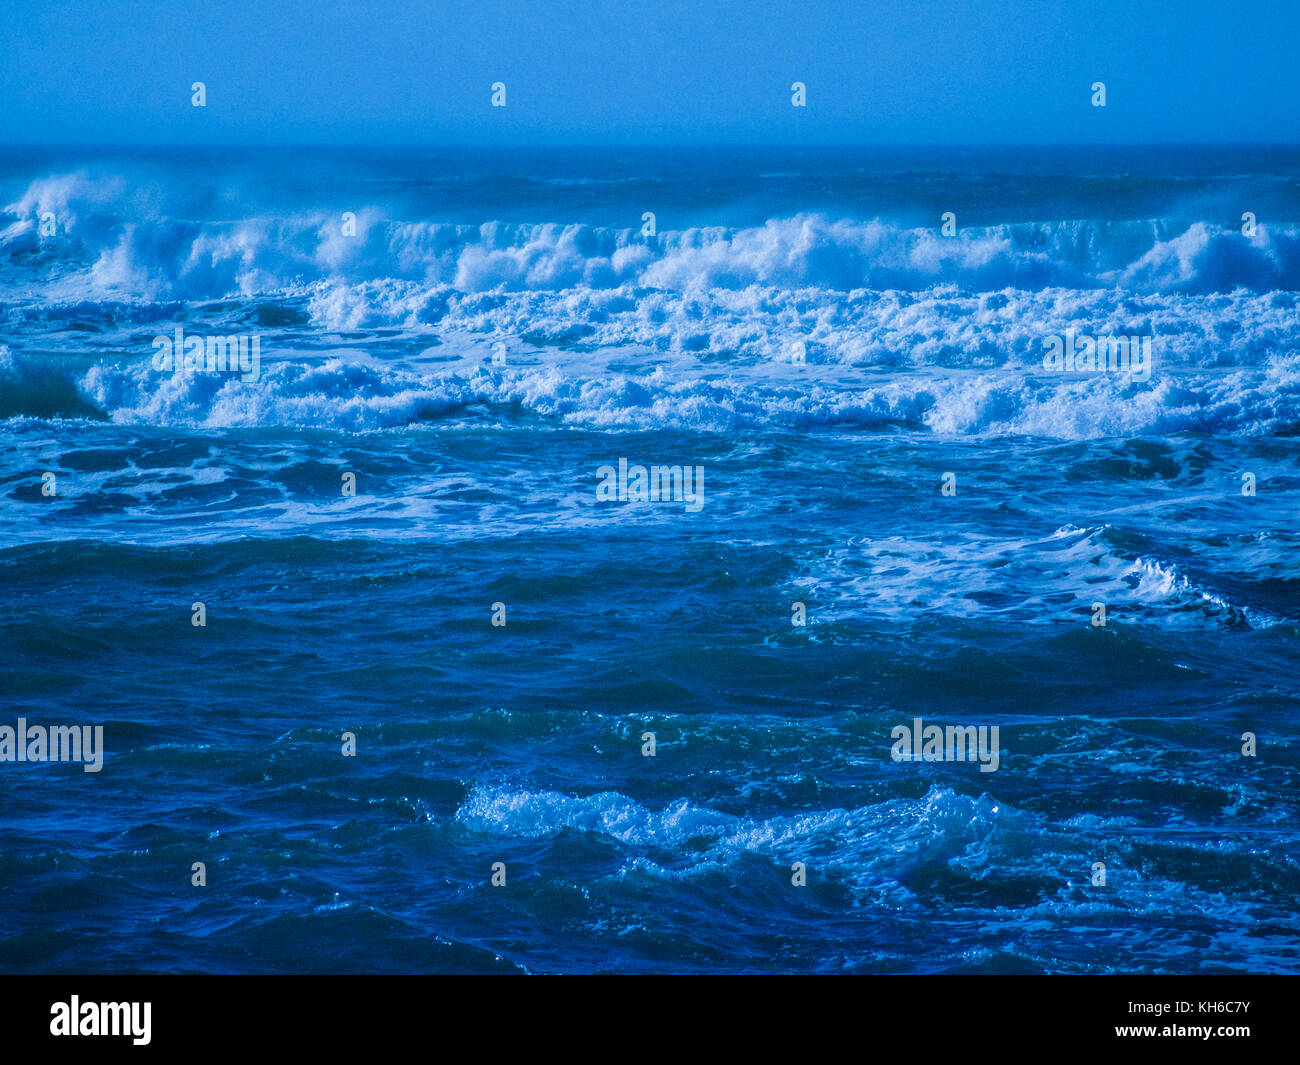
x: 388, y: 683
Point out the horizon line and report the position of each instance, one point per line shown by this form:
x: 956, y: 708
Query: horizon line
x: 646, y: 145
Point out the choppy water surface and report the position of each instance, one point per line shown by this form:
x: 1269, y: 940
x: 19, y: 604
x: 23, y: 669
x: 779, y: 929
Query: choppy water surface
x: 499, y: 328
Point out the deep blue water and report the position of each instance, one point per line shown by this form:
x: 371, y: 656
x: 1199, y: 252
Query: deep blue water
x: 498, y: 329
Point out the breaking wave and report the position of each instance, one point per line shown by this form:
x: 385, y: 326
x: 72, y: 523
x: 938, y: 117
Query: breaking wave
x: 121, y: 240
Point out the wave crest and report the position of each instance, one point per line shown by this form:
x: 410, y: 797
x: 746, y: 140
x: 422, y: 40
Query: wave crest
x: 126, y: 242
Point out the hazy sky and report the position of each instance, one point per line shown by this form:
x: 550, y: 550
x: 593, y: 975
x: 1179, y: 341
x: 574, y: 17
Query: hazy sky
x: 649, y: 72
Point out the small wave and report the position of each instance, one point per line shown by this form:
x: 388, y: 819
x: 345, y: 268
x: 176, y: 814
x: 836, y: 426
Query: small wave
x: 876, y: 847
x: 1022, y: 580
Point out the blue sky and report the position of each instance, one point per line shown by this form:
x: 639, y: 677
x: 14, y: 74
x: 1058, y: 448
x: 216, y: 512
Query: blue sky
x: 617, y: 72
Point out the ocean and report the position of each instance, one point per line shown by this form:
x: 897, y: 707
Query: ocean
x: 399, y: 668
